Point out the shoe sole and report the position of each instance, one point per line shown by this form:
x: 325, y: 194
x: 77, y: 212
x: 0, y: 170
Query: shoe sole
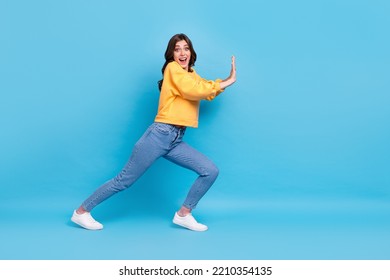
x: 89, y: 228
x: 176, y: 222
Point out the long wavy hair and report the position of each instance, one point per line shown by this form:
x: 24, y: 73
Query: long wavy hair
x: 170, y: 50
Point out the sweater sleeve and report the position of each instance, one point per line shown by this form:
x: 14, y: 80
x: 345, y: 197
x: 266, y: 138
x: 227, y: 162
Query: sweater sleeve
x: 190, y: 85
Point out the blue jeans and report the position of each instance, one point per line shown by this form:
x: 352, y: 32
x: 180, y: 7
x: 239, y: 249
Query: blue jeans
x: 160, y: 140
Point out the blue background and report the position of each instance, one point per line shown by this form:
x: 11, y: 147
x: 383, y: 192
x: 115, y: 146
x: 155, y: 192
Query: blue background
x: 301, y: 140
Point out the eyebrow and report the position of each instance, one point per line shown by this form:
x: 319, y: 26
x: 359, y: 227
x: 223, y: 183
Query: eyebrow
x: 176, y: 46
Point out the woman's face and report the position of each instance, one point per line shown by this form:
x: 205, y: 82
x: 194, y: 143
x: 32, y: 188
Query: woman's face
x: 182, y: 54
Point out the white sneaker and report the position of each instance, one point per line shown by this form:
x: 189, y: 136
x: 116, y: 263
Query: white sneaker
x: 189, y: 222
x: 86, y: 221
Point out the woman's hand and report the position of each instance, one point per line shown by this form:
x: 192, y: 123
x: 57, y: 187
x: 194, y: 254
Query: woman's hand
x: 233, y: 70
x: 232, y: 77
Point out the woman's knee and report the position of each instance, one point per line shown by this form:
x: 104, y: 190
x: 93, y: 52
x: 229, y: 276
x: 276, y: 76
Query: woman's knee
x: 121, y: 181
x: 211, y: 170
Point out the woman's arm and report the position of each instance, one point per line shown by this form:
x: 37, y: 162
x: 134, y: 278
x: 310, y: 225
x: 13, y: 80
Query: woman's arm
x: 189, y: 85
x: 232, y: 77
x: 193, y: 87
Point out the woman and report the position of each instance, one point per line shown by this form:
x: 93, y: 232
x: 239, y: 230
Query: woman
x: 181, y: 91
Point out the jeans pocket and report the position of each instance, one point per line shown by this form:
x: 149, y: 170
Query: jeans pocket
x: 163, y: 128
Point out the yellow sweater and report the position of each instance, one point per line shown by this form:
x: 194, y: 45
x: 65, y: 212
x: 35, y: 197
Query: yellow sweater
x: 181, y: 93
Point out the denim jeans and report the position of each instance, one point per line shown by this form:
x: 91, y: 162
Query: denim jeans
x: 160, y: 140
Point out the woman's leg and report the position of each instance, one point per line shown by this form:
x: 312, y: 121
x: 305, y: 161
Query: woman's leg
x: 188, y: 157
x: 149, y: 147
x: 146, y: 151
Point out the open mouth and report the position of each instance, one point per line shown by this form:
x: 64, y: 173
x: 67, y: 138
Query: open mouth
x: 183, y: 60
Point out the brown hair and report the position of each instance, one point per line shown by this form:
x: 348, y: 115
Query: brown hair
x: 169, y: 53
